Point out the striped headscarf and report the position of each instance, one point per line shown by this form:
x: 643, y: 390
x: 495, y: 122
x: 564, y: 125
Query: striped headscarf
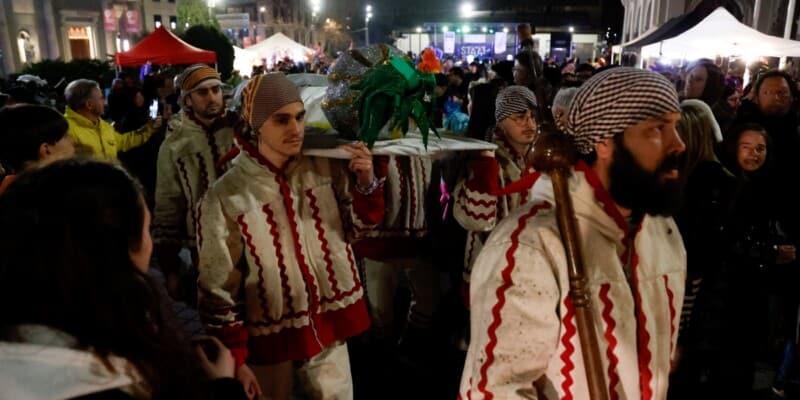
x: 615, y: 99
x: 265, y: 94
x: 512, y: 100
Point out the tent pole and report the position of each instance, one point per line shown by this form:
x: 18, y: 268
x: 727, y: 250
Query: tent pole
x: 787, y: 30
x: 756, y: 12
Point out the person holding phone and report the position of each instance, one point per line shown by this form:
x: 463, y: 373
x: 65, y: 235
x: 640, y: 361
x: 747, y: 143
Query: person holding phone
x: 81, y: 317
x: 90, y: 133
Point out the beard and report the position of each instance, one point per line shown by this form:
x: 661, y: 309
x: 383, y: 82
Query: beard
x: 641, y: 191
x: 211, y: 111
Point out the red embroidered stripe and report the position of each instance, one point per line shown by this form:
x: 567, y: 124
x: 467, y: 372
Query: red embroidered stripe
x: 569, y: 349
x: 311, y: 287
x: 671, y: 298
x: 476, y: 202
x: 182, y: 168
x: 201, y: 163
x: 276, y: 243
x: 482, y: 216
x: 256, y: 259
x: 613, y: 361
x: 501, y: 299
x: 602, y: 195
x: 412, y: 183
x: 321, y: 236
x: 199, y: 225
x: 642, y: 337
x: 356, y: 282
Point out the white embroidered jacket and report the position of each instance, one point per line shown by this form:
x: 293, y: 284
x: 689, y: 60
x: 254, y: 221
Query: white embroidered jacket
x: 188, y: 162
x: 278, y: 281
x: 525, y: 343
x: 476, y: 209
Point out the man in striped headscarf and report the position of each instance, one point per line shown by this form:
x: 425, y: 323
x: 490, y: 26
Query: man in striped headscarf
x: 189, y: 160
x: 525, y: 342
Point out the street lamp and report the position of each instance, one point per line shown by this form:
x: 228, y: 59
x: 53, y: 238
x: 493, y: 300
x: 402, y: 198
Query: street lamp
x: 367, y: 17
x: 467, y: 9
x: 571, y: 29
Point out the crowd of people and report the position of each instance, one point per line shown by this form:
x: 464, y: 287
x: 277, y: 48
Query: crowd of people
x: 308, y: 273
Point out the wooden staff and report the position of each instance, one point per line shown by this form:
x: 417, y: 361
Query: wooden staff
x: 554, y: 154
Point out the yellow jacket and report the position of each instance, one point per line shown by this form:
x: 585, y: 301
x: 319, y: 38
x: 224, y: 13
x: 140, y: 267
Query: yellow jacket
x: 100, y: 140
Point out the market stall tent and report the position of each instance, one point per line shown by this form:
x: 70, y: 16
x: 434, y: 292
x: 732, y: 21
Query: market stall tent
x: 720, y: 34
x: 162, y: 47
x: 279, y: 46
x: 244, y: 60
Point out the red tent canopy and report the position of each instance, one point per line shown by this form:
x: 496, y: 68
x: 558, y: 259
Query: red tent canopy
x: 162, y: 47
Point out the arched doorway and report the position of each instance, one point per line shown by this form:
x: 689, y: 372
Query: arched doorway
x: 27, y: 51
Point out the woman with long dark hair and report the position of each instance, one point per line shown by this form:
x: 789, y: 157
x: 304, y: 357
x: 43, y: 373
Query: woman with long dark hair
x: 80, y: 316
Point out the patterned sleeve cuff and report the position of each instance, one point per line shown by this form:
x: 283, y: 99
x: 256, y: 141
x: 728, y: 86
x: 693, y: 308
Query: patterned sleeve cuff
x: 369, y: 189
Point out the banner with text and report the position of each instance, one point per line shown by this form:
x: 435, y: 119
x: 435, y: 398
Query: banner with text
x: 449, y: 42
x: 479, y: 50
x: 500, y: 42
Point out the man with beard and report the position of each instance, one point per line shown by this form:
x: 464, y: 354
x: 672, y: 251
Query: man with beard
x: 189, y: 160
x: 476, y: 208
x: 525, y: 342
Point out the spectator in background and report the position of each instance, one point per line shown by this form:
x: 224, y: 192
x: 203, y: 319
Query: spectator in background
x: 91, y: 134
x: 704, y: 81
x: 583, y: 72
x: 481, y: 109
x: 505, y: 71
x: 31, y: 136
x: 561, y: 106
x: 119, y: 101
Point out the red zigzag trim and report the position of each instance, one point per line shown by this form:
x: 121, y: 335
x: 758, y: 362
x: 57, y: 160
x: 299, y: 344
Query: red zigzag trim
x: 325, y: 249
x: 671, y: 298
x: 249, y: 240
x: 569, y: 348
x: 501, y: 298
x: 476, y: 202
x: 482, y: 216
x: 613, y: 361
x: 643, y: 337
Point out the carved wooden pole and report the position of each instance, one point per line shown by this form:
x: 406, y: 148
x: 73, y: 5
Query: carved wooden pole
x: 554, y: 154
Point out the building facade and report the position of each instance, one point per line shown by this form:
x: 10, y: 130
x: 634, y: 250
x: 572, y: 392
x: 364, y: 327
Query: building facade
x: 160, y: 13
x: 35, y: 30
x: 249, y: 21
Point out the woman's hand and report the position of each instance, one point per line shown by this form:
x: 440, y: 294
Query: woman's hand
x: 248, y: 379
x: 215, y: 358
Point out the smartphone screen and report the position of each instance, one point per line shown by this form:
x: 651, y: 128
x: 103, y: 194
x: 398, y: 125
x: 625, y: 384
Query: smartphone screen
x: 154, y: 109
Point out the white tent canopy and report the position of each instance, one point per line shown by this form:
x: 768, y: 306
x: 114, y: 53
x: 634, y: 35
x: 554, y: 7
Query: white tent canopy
x: 244, y: 60
x: 279, y: 46
x: 722, y: 34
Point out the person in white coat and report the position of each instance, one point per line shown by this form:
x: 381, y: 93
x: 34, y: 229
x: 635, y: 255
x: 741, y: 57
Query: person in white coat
x: 525, y: 343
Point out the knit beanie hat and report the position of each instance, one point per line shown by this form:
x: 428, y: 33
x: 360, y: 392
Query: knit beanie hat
x: 615, y: 99
x: 194, y: 75
x: 513, y: 99
x: 265, y: 94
